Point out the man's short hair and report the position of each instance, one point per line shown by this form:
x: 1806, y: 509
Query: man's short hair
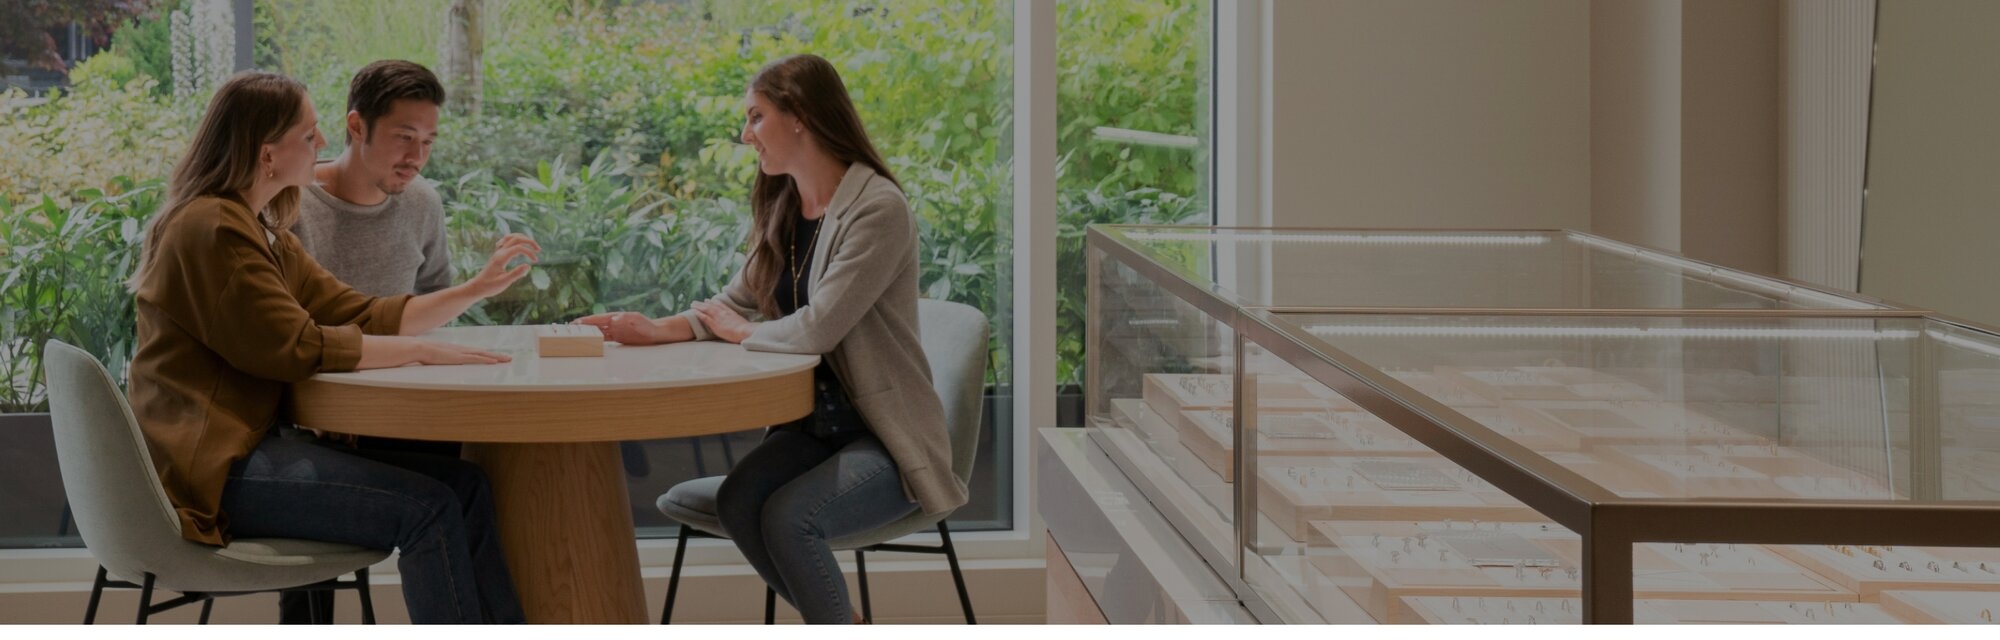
x: 377, y: 87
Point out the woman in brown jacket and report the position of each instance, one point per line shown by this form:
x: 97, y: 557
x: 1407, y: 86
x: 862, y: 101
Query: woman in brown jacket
x: 231, y: 310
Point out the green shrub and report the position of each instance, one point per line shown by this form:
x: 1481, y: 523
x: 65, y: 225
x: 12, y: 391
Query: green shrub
x: 106, y: 66
x: 607, y: 242
x: 608, y: 131
x: 147, y: 41
x: 88, y: 137
x: 63, y: 277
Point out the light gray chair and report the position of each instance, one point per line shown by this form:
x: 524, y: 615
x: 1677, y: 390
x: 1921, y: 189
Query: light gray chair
x: 954, y: 340
x: 126, y: 522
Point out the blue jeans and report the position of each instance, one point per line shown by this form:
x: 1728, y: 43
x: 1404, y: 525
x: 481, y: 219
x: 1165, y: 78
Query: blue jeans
x: 437, y: 512
x: 298, y: 607
x: 794, y: 492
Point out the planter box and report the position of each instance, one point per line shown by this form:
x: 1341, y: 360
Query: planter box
x: 33, y: 511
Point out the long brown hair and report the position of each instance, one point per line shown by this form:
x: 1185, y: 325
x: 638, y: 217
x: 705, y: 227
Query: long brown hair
x: 807, y: 87
x: 249, y: 111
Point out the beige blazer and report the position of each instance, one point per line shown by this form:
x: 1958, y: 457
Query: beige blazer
x: 862, y: 318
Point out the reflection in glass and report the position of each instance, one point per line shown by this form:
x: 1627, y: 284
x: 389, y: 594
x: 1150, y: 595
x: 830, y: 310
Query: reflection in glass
x: 1463, y: 269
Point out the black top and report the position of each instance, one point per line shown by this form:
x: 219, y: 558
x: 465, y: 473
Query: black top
x: 792, y: 293
x: 833, y: 416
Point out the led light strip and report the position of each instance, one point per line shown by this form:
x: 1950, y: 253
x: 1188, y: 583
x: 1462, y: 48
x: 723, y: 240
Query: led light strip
x: 1986, y: 348
x: 1989, y: 348
x: 1341, y: 239
x: 1780, y: 290
x: 1699, y: 333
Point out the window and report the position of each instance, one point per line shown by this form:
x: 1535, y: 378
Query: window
x: 1133, y: 136
x: 608, y: 130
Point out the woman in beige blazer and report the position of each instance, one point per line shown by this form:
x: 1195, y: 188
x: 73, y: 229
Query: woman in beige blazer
x: 832, y: 272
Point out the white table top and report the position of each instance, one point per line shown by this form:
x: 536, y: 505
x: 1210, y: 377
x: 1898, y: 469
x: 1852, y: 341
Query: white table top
x: 622, y: 367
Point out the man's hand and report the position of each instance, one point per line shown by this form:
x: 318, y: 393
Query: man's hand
x: 625, y: 327
x: 496, y: 277
x: 724, y: 322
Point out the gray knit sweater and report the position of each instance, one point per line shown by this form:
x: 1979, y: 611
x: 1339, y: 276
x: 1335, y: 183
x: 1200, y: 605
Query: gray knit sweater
x: 393, y: 248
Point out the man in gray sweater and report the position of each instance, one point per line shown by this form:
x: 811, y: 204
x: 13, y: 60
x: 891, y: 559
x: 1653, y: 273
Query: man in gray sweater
x: 379, y: 227
x: 371, y: 220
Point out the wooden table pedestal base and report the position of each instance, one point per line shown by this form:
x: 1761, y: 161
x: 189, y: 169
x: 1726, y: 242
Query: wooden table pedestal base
x: 566, y: 525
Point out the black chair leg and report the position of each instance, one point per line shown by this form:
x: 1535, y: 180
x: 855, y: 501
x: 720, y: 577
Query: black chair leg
x: 861, y: 574
x: 700, y: 465
x: 957, y: 575
x: 146, y: 599
x: 312, y: 604
x: 674, y: 579
x: 634, y: 457
x: 62, y: 528
x: 770, y: 606
x: 206, y: 605
x: 367, y: 599
x: 96, y: 595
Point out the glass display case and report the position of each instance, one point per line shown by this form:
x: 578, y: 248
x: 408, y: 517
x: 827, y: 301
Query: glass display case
x: 1542, y: 427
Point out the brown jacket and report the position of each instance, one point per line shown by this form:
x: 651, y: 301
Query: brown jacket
x: 229, y: 315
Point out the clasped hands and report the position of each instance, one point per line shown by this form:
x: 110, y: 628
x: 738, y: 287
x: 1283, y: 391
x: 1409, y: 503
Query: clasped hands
x: 623, y: 327
x: 626, y: 327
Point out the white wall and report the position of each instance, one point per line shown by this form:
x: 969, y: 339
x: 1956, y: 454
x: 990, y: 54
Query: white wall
x: 1827, y: 56
x: 1431, y: 113
x: 1651, y: 121
x: 1730, y: 117
x: 1933, y: 211
x: 1684, y: 125
x: 1635, y: 122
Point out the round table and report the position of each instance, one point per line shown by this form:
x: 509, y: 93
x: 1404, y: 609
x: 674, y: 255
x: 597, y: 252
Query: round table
x: 546, y: 430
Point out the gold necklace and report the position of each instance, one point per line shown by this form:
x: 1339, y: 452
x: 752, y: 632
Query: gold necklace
x: 793, y: 256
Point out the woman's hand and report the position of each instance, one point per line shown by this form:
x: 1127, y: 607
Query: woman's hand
x: 382, y: 352
x: 625, y: 327
x: 496, y: 277
x: 724, y: 322
x: 434, y: 352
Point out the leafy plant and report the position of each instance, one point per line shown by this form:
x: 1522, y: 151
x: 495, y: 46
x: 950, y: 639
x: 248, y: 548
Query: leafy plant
x: 1079, y: 210
x: 63, y: 277
x: 607, y: 242
x: 608, y: 130
x: 147, y: 40
x: 88, y: 137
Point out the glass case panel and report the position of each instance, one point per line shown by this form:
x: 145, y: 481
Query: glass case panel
x: 1454, y: 269
x: 1679, y: 407
x: 1360, y: 523
x: 1967, y: 406
x: 1580, y: 377
x: 1156, y: 363
x: 1822, y: 410
x: 1695, y: 407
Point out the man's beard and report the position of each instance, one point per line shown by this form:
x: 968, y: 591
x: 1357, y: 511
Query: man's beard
x: 391, y: 187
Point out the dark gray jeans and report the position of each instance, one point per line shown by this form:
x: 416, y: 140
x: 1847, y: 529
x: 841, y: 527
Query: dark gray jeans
x: 794, y: 492
x: 436, y: 512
